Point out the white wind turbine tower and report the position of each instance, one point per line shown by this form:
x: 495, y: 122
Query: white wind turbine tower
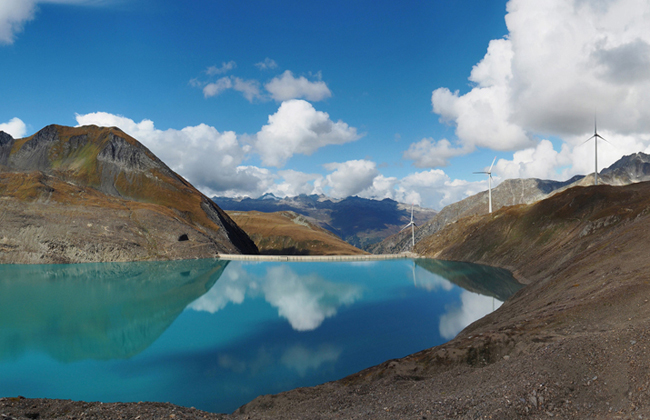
x: 489, y: 174
x: 412, y: 225
x: 596, y: 136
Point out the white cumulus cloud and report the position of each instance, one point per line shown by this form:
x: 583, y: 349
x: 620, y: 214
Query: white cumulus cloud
x: 216, y: 88
x: 15, y: 13
x: 249, y: 88
x: 351, y: 177
x: 427, y: 153
x: 561, y: 63
x: 16, y: 128
x: 286, y: 86
x: 298, y: 128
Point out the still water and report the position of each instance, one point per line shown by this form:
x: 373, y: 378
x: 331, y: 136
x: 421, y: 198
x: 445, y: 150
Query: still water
x: 214, y: 334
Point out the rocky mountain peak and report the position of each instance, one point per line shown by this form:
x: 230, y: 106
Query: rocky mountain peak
x: 64, y: 165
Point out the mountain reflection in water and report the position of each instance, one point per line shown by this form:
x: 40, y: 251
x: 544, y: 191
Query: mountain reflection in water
x: 96, y: 311
x: 485, y: 280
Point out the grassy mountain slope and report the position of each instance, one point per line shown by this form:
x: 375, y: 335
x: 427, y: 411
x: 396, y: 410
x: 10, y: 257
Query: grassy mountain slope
x: 289, y: 233
x: 96, y: 194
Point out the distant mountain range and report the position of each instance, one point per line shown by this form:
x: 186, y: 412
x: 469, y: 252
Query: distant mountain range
x: 359, y: 221
x: 627, y: 170
x: 96, y: 194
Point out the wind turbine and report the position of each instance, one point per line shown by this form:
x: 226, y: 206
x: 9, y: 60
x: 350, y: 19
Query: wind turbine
x: 489, y: 174
x: 412, y: 225
x: 596, y: 136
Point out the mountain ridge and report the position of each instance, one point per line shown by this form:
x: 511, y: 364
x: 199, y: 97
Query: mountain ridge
x: 629, y: 169
x: 99, y: 176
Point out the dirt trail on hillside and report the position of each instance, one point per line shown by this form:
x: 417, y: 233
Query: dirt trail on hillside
x: 574, y: 343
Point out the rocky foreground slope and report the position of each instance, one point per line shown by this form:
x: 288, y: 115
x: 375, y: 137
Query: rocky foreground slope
x: 87, y: 194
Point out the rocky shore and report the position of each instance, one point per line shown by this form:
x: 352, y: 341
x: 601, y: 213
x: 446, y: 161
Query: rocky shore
x: 574, y: 343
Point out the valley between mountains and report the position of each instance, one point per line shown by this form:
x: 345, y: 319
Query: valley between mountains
x: 573, y: 343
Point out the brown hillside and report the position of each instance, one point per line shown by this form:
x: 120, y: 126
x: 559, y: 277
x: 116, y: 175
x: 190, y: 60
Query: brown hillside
x: 288, y: 233
x: 63, y: 177
x: 573, y: 343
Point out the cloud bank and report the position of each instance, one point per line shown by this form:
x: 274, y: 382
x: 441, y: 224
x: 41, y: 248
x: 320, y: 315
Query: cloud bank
x: 560, y: 64
x: 215, y: 161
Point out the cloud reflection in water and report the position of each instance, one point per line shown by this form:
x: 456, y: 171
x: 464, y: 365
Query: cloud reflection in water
x: 302, y: 359
x: 304, y: 300
x: 472, y: 307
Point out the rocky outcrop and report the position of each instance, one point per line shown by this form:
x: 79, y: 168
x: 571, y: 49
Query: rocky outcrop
x: 96, y: 194
x: 628, y: 170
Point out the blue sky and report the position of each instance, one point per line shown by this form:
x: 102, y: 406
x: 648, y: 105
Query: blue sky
x: 372, y: 98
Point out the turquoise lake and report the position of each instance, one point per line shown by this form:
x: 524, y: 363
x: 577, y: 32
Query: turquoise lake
x: 215, y: 334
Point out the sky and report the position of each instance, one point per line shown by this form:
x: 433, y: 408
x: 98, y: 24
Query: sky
x: 374, y: 98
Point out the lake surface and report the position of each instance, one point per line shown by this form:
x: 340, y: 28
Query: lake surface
x: 215, y: 334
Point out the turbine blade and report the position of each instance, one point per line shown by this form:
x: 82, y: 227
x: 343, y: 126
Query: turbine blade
x: 588, y: 139
x: 602, y: 138
x: 406, y: 226
x: 495, y: 159
x: 479, y: 172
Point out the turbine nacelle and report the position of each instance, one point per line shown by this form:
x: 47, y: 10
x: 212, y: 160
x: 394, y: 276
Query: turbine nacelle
x: 412, y: 225
x: 596, y: 137
x: 489, y: 174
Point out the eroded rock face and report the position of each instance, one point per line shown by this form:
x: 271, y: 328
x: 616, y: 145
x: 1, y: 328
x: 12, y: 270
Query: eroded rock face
x: 6, y: 142
x: 95, y: 194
